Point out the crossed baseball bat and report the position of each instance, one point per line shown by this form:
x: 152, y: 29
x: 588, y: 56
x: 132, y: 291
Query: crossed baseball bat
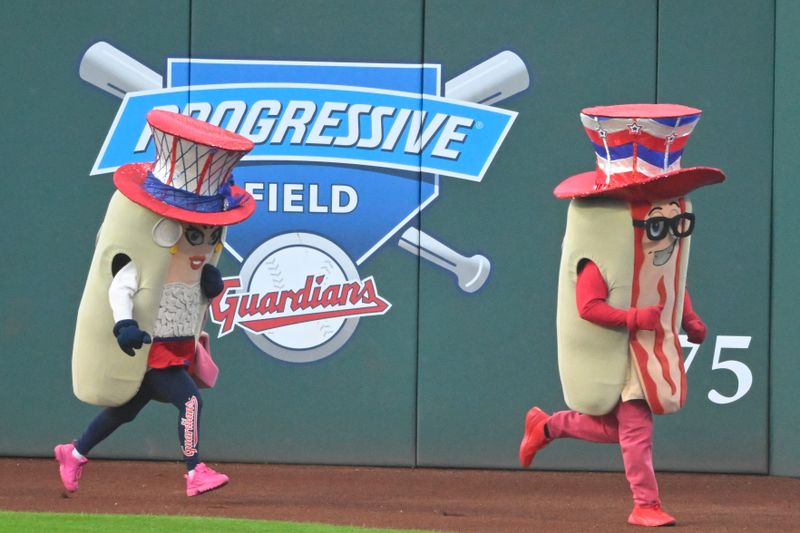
x: 499, y: 77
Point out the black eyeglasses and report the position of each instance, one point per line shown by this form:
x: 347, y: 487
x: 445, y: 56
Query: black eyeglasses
x: 656, y: 227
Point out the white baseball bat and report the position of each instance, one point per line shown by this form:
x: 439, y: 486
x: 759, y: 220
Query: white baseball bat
x: 499, y: 77
x: 116, y: 72
x: 471, y: 272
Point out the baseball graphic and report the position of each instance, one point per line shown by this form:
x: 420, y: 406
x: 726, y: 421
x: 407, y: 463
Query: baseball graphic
x: 286, y: 262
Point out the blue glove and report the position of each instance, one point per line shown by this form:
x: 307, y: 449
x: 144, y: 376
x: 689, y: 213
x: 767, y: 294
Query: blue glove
x: 211, y: 281
x: 129, y: 336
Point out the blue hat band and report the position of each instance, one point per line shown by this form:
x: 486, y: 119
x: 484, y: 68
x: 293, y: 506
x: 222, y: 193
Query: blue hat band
x: 217, y: 203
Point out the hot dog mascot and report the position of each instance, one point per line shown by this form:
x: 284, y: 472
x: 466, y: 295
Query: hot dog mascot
x: 622, y: 295
x: 149, y: 285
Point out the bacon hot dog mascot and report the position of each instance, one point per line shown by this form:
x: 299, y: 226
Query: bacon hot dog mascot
x: 138, y: 333
x: 622, y: 295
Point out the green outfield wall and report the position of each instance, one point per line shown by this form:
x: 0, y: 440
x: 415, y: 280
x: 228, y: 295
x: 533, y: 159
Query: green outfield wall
x: 442, y: 375
x: 784, y: 337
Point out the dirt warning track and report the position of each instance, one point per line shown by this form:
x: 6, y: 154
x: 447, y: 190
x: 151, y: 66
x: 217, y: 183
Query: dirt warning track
x: 421, y: 498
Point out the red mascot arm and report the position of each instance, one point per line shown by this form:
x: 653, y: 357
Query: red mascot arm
x: 591, y: 293
x: 692, y: 324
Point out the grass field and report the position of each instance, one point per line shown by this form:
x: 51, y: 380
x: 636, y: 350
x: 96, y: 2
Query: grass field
x: 58, y: 522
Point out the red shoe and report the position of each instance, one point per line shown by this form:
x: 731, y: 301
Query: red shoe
x: 534, y: 438
x: 652, y: 516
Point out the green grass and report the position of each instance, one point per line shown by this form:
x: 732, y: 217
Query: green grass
x: 57, y: 522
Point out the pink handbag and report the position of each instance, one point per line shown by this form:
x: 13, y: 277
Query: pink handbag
x: 206, y: 370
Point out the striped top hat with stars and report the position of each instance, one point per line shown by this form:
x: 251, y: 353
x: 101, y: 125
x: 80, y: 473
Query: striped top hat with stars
x: 191, y: 178
x: 639, y: 149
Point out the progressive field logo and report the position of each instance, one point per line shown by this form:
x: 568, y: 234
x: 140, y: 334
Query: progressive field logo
x: 346, y: 155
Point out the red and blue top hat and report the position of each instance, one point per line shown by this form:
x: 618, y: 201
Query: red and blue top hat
x: 639, y: 149
x: 191, y: 179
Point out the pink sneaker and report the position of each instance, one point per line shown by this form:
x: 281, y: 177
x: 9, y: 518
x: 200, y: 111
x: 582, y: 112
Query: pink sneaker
x: 70, y: 468
x: 650, y: 516
x: 204, y: 480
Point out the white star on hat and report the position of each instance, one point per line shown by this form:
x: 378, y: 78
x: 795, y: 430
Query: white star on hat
x: 634, y: 127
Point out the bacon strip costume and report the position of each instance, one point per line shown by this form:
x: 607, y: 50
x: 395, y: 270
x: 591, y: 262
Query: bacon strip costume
x: 639, y: 149
x: 622, y: 295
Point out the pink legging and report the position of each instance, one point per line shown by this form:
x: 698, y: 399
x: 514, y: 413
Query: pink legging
x: 631, y: 425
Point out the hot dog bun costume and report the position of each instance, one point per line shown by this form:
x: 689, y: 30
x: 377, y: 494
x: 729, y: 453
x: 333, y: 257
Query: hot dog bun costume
x: 190, y: 182
x: 639, y: 149
x: 622, y: 296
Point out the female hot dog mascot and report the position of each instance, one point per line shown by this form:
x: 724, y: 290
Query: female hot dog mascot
x: 149, y: 285
x: 622, y: 295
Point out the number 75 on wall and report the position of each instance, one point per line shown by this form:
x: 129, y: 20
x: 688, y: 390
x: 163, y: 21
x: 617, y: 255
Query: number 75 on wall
x: 744, y: 376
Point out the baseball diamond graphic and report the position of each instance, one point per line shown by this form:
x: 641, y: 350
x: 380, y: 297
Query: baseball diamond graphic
x: 334, y: 142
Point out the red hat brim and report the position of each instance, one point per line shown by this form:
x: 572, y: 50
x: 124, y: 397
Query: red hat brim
x: 130, y: 178
x: 668, y: 185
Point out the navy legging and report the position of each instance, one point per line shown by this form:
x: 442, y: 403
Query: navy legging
x: 173, y: 385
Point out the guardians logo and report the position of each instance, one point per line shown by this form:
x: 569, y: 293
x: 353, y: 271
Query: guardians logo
x: 346, y: 155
